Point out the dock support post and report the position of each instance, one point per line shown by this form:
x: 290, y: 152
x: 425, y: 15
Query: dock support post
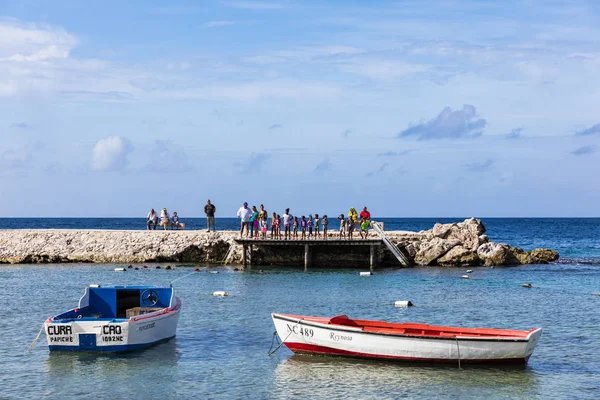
x: 372, y: 256
x: 251, y: 255
x: 245, y: 256
x: 307, y: 255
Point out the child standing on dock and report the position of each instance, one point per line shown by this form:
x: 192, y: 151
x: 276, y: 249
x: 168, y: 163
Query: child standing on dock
x: 350, y: 227
x: 309, y: 225
x: 262, y: 220
x: 273, y: 225
x: 295, y: 227
x: 253, y: 222
x: 263, y: 228
x: 342, y: 225
x: 303, y: 225
x: 278, y: 228
x: 364, y: 228
x: 317, y: 226
x: 325, y: 224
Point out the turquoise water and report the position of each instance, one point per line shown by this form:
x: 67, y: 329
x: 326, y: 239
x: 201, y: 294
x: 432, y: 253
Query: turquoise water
x: 222, y: 343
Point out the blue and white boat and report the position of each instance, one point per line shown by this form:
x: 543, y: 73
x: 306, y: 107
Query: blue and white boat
x: 116, y: 319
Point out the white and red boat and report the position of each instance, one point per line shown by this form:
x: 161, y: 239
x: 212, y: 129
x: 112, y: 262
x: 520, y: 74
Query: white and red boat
x: 342, y: 336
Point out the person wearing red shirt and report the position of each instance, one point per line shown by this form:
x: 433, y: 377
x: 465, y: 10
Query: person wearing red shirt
x: 364, y: 214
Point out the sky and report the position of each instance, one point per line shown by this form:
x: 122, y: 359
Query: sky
x: 415, y: 109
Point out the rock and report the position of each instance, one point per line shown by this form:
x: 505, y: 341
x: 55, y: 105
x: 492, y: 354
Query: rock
x: 459, y: 256
x: 430, y: 251
x: 497, y: 254
x: 502, y: 254
x: 483, y: 239
x: 468, y: 232
x: 411, y: 248
x: 543, y: 256
x: 441, y: 230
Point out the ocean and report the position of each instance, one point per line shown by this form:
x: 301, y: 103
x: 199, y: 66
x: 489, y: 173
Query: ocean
x: 222, y: 342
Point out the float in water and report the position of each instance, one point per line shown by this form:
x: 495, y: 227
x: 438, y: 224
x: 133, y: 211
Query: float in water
x: 116, y: 319
x: 345, y: 337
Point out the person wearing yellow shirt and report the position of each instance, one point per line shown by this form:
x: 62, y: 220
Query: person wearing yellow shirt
x: 353, y: 215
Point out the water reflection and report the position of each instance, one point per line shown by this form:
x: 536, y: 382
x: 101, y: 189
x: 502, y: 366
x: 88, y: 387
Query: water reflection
x: 336, y: 377
x: 118, y: 374
x: 59, y: 363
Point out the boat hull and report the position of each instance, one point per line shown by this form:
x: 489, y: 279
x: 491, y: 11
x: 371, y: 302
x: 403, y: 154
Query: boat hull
x: 112, y: 336
x: 308, y: 337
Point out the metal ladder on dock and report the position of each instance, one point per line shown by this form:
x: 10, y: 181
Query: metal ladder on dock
x: 391, y: 246
x: 230, y: 252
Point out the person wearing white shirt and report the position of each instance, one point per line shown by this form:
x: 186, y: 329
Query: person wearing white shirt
x: 287, y: 223
x: 152, y: 219
x: 164, y: 218
x: 244, y: 214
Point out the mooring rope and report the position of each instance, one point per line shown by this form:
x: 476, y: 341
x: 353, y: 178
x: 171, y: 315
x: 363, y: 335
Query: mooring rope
x: 181, y: 277
x: 458, y: 348
x: 286, y: 338
x: 37, y: 337
x: 273, y: 341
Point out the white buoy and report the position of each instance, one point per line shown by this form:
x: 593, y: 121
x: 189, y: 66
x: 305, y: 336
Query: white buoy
x: 465, y: 276
x: 469, y: 271
x: 403, y: 303
x: 221, y: 293
x: 120, y: 269
x: 366, y: 273
x: 213, y: 272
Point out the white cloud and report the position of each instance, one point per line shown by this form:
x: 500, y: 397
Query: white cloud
x: 110, y: 154
x: 449, y: 124
x: 33, y: 42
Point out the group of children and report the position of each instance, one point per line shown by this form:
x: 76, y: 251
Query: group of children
x: 295, y: 228
x: 347, y: 226
x: 302, y: 227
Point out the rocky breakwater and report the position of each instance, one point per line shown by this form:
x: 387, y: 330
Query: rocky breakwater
x: 458, y: 244
x: 112, y: 246
x: 464, y: 244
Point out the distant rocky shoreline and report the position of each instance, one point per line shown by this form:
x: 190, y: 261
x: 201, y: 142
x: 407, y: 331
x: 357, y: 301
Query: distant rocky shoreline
x: 457, y: 244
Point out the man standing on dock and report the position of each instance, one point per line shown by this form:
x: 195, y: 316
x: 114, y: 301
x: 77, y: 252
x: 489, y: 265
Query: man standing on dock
x: 244, y: 214
x: 287, y: 223
x: 209, y: 210
x: 364, y: 214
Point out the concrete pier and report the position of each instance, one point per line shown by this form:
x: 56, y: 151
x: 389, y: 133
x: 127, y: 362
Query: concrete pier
x: 324, y: 246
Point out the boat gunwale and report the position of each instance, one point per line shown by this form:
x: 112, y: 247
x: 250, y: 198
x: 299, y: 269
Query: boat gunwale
x: 301, y: 320
x: 136, y: 318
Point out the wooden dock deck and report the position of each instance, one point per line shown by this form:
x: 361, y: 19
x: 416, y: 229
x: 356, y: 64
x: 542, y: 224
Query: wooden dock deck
x: 249, y: 244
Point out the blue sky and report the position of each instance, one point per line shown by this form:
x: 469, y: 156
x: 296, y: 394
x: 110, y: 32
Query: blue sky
x: 447, y: 108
